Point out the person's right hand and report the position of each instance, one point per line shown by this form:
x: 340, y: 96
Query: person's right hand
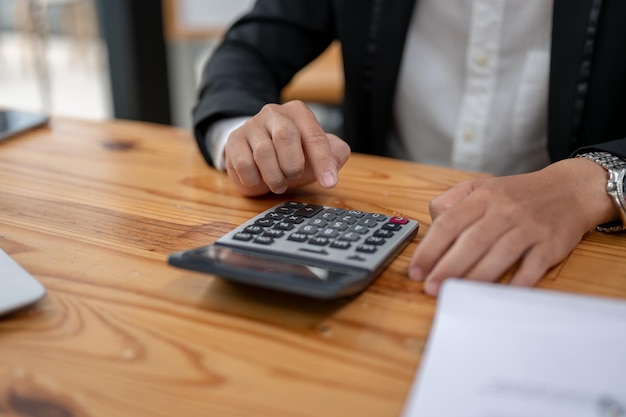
x: 282, y: 147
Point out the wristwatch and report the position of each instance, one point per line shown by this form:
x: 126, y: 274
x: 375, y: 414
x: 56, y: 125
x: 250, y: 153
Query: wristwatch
x: 615, y: 186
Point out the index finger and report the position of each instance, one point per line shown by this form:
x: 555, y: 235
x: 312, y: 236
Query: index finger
x: 442, y: 235
x: 316, y: 145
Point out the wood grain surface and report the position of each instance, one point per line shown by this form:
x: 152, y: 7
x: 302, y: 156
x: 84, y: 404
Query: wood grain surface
x: 93, y: 209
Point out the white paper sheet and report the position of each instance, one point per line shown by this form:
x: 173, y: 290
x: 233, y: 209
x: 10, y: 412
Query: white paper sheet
x: 501, y: 351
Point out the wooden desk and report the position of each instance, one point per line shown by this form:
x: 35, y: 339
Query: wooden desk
x: 93, y: 209
x: 321, y: 81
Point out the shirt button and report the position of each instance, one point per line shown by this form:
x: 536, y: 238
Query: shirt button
x: 469, y: 136
x: 482, y: 60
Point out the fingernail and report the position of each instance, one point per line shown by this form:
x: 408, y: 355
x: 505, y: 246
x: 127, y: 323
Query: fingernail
x: 416, y: 273
x: 294, y: 176
x: 329, y: 179
x: 281, y: 190
x: 431, y: 288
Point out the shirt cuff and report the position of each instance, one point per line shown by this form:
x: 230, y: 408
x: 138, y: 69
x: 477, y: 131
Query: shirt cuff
x: 216, y: 138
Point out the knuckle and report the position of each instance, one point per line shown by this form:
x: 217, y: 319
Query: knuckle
x: 297, y: 105
x: 241, y: 164
x: 293, y: 173
x: 436, y: 205
x: 446, y: 224
x: 262, y: 150
x: 285, y: 132
x: 541, y: 261
x: 274, y: 181
x: 528, y: 276
x: 479, y: 240
x: 316, y: 137
x: 270, y: 108
x: 293, y: 169
x: 507, y: 217
x: 533, y: 267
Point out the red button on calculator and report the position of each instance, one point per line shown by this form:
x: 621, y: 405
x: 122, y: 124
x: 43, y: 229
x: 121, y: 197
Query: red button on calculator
x: 399, y: 220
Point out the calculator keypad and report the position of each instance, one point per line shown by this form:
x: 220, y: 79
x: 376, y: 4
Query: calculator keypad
x: 329, y: 234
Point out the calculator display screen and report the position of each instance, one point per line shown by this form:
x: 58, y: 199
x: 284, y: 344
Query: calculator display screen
x: 256, y: 268
x: 286, y: 273
x: 269, y: 266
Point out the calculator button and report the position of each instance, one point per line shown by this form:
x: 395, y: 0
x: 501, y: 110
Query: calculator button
x: 376, y: 216
x: 349, y: 219
x: 340, y: 244
x: 264, y: 240
x: 359, y: 229
x: 366, y: 248
x: 327, y: 215
x: 242, y: 236
x: 285, y: 210
x: 293, y: 204
x: 264, y: 222
x: 273, y: 233
x: 338, y: 225
x: 399, y: 220
x: 355, y: 213
x: 374, y: 240
x: 328, y: 232
x: 383, y: 233
x: 368, y: 222
x: 298, y: 237
x: 292, y: 218
x: 392, y: 226
x: 319, y: 241
x: 350, y: 236
x: 335, y: 210
x: 253, y: 229
x: 308, y: 229
x: 309, y: 210
x: 275, y: 216
x: 284, y: 226
x: 318, y: 222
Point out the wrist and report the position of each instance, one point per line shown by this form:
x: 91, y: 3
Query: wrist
x: 586, y: 185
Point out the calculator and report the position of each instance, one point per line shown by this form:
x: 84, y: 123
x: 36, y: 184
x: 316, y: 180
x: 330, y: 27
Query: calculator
x: 306, y: 249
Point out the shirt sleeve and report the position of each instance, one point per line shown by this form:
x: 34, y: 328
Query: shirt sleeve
x: 216, y: 138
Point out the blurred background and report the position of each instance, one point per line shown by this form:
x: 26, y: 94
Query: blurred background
x: 129, y: 59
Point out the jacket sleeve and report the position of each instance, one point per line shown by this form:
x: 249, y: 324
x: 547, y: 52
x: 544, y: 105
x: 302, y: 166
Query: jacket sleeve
x: 258, y: 56
x: 616, y: 147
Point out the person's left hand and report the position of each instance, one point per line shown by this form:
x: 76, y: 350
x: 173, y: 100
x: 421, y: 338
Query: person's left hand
x: 481, y: 228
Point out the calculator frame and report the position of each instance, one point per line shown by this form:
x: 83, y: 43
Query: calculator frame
x: 307, y: 275
x: 288, y: 274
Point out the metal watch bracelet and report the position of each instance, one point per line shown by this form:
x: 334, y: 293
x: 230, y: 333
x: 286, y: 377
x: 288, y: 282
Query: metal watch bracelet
x: 616, y: 168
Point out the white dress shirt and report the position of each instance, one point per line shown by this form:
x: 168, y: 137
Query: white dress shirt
x: 472, y: 89
x: 473, y: 86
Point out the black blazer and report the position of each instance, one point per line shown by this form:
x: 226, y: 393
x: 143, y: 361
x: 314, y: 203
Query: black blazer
x: 265, y: 48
